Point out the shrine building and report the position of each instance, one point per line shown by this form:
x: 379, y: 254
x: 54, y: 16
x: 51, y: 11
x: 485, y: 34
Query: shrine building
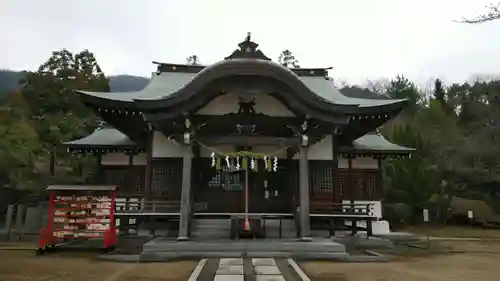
x: 244, y: 138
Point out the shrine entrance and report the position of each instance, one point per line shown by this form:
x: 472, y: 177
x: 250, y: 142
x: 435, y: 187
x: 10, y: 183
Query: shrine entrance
x: 223, y: 190
x: 272, y: 192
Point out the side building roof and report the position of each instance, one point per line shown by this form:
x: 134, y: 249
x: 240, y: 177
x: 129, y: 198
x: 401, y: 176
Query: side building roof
x: 110, y: 139
x: 376, y: 142
x: 106, y: 140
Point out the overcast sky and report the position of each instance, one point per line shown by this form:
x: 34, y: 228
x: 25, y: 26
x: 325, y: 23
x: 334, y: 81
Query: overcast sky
x: 361, y: 39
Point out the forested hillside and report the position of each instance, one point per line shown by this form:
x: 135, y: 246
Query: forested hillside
x: 9, y: 81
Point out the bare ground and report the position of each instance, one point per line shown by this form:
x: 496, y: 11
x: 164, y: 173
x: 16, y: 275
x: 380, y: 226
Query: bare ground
x: 454, y: 231
x: 17, y: 265
x: 480, y: 262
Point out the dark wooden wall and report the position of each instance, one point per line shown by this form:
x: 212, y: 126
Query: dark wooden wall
x: 223, y: 191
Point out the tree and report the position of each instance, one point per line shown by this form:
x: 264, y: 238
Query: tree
x: 50, y: 95
x: 440, y: 96
x: 287, y: 59
x: 53, y: 110
x: 492, y: 14
x: 193, y: 60
x: 18, y: 152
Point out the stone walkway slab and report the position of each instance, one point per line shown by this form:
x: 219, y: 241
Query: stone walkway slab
x: 263, y: 261
x: 267, y: 270
x: 225, y: 262
x: 269, y: 278
x: 229, y: 278
x: 230, y: 270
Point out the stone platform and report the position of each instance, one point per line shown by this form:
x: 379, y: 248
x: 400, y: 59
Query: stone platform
x: 163, y: 249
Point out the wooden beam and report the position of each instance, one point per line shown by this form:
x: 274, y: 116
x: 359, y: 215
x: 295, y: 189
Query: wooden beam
x: 149, y: 167
x: 335, y: 170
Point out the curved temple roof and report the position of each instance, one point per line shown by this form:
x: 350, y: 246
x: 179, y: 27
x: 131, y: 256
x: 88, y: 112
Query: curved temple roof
x: 110, y: 138
x: 166, y: 84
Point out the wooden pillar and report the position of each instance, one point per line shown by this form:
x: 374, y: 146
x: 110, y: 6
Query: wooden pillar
x: 185, y: 194
x: 379, y: 180
x: 305, y: 228
x: 352, y: 181
x: 352, y: 184
x: 335, y: 171
x: 336, y: 192
x: 149, y: 168
x: 130, y: 174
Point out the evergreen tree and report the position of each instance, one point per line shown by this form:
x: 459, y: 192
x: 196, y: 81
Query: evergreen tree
x: 287, y: 59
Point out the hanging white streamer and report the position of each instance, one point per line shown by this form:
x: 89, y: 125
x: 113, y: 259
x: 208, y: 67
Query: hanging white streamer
x: 252, y: 164
x: 227, y: 162
x: 237, y: 163
x: 266, y: 166
x: 213, y: 158
x: 275, y: 163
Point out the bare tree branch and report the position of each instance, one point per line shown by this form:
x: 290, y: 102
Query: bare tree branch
x: 493, y: 14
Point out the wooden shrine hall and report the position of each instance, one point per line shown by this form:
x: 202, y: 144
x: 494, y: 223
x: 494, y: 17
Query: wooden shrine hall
x: 247, y: 139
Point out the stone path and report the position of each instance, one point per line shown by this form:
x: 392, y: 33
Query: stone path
x: 262, y: 269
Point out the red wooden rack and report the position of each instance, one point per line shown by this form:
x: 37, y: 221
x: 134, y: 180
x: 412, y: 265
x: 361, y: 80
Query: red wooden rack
x: 77, y: 213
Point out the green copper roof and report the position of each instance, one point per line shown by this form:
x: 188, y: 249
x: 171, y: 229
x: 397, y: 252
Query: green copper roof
x: 375, y: 142
x: 165, y: 84
x: 103, y: 137
x: 110, y: 137
x: 324, y: 88
x: 160, y: 85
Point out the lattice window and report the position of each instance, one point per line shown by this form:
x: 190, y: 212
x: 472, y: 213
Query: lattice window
x: 137, y: 181
x: 322, y: 178
x: 226, y: 180
x: 359, y: 185
x: 166, y: 176
x: 342, y: 183
x: 215, y: 181
x: 232, y: 181
x: 130, y: 180
x: 114, y: 176
x: 370, y: 185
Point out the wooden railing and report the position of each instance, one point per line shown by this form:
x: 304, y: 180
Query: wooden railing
x: 342, y: 209
x: 158, y: 207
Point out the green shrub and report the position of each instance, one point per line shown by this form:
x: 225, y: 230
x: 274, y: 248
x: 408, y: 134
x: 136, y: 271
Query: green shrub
x: 402, y: 212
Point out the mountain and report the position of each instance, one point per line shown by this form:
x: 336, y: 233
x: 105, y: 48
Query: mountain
x: 9, y: 81
x: 127, y: 83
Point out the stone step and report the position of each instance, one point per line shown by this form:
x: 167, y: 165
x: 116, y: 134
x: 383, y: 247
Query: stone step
x: 211, y: 228
x: 244, y: 246
x: 168, y: 256
x: 288, y: 228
